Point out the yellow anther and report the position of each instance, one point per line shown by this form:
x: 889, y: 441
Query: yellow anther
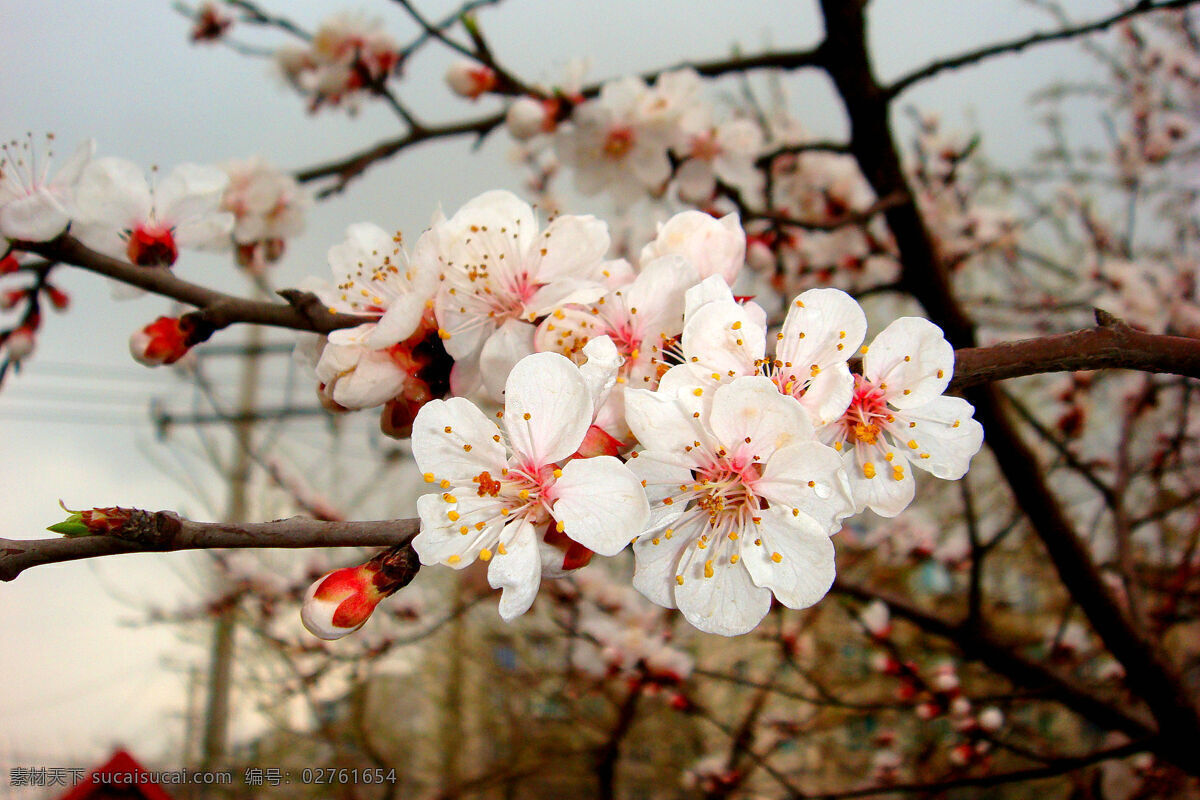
x: 445, y: 484
x: 453, y: 559
x: 523, y: 494
x: 776, y: 557
x: 443, y: 333
x: 888, y: 456
x: 557, y: 472
x: 464, y: 530
x: 452, y: 515
x: 708, y: 569
x: 941, y: 373
x: 679, y: 579
x: 912, y: 444
x: 485, y: 555
x: 428, y: 476
x: 868, y: 470
x: 863, y: 349
x: 898, y: 472
x: 955, y: 425
x: 501, y: 550
x: 668, y: 533
x: 737, y: 325
x: 733, y: 559
x: 558, y: 526
x: 526, y: 415
x: 449, y: 498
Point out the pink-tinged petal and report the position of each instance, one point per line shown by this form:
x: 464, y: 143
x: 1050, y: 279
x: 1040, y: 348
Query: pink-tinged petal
x: 441, y: 540
x: 547, y: 409
x: 511, y: 342
x: 572, y: 247
x: 724, y: 337
x: 189, y: 191
x: 706, y: 291
x: 375, y: 380
x: 68, y: 174
x: 452, y: 439
x: 210, y: 231
x: 795, y: 560
x: 600, y: 370
x: 890, y: 489
x: 827, y: 318
x: 365, y: 244
x: 600, y: 503
x: 658, y: 295
x: 399, y: 322
x: 661, y: 423
x: 713, y: 246
x: 751, y: 417
x: 352, y: 337
x: 657, y: 562
x: 38, y: 217
x: 728, y: 603
x: 517, y: 569
x: 112, y: 191
x: 912, y: 357
x: 504, y: 209
x: 561, y: 292
x: 807, y: 480
x: 469, y: 332
x: 829, y: 394
x: 947, y: 430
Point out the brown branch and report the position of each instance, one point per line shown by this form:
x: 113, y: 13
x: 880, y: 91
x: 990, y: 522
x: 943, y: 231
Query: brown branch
x: 1111, y: 345
x: 217, y: 309
x: 1017, y: 45
x: 172, y: 533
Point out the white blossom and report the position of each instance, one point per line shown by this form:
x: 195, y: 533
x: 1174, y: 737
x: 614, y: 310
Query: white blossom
x: 898, y: 417
x: 504, y: 488
x: 35, y: 207
x: 744, y: 500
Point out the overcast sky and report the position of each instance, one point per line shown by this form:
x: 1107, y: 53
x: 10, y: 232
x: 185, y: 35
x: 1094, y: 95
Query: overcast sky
x: 74, y: 426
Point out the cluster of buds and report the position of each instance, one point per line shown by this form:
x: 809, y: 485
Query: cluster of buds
x: 341, y: 602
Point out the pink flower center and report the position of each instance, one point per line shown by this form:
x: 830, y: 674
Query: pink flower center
x: 868, y: 413
x: 618, y: 142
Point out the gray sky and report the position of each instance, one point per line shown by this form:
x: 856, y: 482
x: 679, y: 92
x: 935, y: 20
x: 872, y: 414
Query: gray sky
x: 74, y: 426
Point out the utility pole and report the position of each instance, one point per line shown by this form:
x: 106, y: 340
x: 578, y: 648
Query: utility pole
x: 220, y: 681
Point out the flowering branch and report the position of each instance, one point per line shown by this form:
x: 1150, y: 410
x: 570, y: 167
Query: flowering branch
x: 165, y: 531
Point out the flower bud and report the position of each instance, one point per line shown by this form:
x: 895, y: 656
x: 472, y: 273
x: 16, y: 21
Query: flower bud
x: 12, y: 298
x: 20, y: 344
x: 58, y: 298
x: 341, y: 602
x: 9, y: 264
x: 469, y: 79
x: 163, y: 341
x: 528, y: 117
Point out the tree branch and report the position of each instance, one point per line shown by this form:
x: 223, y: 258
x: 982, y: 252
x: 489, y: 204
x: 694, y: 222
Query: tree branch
x: 173, y: 533
x: 217, y: 309
x: 1017, y: 45
x: 1111, y: 345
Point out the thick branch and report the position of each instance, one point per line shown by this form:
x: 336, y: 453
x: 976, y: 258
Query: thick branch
x: 297, y: 532
x: 1112, y: 345
x: 1017, y: 45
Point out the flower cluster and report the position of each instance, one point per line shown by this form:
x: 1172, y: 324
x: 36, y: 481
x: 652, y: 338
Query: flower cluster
x: 633, y: 404
x: 348, y: 55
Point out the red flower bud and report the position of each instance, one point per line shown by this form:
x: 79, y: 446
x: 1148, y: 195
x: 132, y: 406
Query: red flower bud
x: 164, y: 341
x: 152, y: 247
x: 341, y: 602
